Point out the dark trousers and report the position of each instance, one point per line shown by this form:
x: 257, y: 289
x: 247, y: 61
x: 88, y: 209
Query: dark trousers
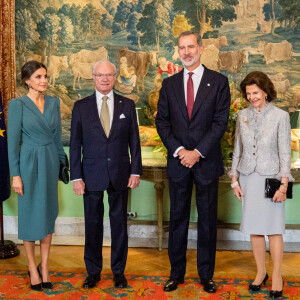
x: 93, y: 213
x: 180, y: 206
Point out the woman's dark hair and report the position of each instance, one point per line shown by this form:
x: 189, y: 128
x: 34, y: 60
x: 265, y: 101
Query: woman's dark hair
x: 29, y: 68
x: 262, y: 81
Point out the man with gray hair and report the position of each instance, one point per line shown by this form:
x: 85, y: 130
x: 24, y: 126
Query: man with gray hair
x: 192, y: 116
x: 104, y: 126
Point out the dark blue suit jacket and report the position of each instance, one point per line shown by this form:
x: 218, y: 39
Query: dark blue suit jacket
x: 103, y: 159
x: 203, y: 131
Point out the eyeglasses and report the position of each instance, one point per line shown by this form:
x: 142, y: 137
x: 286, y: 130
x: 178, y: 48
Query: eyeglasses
x: 109, y: 75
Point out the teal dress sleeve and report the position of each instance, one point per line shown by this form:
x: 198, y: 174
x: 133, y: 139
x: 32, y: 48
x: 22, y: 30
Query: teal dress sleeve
x: 14, y: 132
x: 57, y: 135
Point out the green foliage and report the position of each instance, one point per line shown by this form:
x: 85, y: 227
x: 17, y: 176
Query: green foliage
x: 134, y: 34
x: 155, y: 25
x: 218, y: 10
x: 26, y: 35
x: 290, y: 11
x: 66, y: 30
x: 121, y: 16
x: 161, y: 147
x: 267, y: 10
x: 107, y: 21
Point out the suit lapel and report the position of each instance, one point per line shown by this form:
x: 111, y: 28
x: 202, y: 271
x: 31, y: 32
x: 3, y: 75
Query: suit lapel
x: 95, y: 114
x: 206, y: 85
x: 118, y: 102
x: 180, y: 97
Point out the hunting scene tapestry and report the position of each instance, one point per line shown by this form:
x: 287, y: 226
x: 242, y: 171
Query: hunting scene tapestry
x: 140, y: 37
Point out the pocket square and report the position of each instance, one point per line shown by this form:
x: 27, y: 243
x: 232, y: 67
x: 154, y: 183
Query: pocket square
x: 122, y: 116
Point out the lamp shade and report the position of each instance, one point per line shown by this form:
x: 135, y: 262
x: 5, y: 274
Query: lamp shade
x: 295, y: 120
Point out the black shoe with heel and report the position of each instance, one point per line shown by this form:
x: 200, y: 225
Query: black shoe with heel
x: 36, y: 287
x: 276, y: 294
x: 45, y: 285
x: 255, y: 288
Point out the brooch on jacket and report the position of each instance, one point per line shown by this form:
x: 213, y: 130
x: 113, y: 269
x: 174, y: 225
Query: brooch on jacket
x: 245, y: 120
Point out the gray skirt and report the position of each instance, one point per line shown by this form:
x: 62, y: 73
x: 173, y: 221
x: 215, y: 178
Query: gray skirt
x: 260, y: 215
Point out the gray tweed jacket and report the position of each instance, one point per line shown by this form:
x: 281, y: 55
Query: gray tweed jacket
x: 262, y: 142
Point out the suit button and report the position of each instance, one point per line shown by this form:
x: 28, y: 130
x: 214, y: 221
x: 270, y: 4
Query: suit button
x: 108, y: 159
x: 253, y: 153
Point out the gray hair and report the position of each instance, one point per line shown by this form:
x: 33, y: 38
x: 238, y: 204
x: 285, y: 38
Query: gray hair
x: 102, y: 61
x: 196, y: 34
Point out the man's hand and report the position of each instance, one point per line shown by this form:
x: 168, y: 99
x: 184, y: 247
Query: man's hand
x: 78, y: 187
x: 188, y: 158
x: 17, y: 185
x: 133, y: 181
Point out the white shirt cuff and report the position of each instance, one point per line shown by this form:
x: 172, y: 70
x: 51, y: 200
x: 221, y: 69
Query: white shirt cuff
x: 175, y: 154
x: 199, y: 153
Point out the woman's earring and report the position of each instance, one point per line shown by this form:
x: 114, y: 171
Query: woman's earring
x: 29, y: 86
x: 266, y: 97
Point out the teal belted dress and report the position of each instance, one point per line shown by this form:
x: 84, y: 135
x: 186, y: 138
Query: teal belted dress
x: 35, y: 151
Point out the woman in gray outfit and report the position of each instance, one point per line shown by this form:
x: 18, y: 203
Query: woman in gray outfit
x: 262, y: 150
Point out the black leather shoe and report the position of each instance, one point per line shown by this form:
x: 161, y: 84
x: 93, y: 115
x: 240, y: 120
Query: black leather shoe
x: 209, y: 285
x: 120, y: 281
x: 35, y: 287
x: 91, y: 281
x: 172, y: 283
x: 45, y: 285
x: 254, y: 287
x: 276, y: 294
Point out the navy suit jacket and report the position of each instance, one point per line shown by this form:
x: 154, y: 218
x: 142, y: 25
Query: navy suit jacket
x: 203, y: 131
x: 104, y: 159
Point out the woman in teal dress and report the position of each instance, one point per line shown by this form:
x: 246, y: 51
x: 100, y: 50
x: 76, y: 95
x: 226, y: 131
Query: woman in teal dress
x: 35, y: 151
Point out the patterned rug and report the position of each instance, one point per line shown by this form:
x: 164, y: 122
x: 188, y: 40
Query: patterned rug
x: 67, y: 285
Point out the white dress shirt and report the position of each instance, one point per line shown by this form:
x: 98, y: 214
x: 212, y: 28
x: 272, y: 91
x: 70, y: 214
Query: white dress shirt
x: 196, y: 77
x: 110, y: 104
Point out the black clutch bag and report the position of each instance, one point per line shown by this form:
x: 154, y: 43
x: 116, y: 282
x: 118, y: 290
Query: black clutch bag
x: 64, y: 171
x: 272, y: 185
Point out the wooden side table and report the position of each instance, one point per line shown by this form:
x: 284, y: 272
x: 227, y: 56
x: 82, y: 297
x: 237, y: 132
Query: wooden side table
x: 154, y: 170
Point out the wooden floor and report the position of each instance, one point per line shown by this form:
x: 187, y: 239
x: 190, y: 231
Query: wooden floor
x: 152, y: 260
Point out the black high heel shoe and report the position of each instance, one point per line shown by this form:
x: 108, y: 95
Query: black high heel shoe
x: 276, y: 294
x: 255, y: 288
x: 45, y: 285
x: 36, y: 287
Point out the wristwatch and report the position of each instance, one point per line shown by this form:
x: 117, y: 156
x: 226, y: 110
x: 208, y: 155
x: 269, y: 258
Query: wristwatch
x: 284, y: 184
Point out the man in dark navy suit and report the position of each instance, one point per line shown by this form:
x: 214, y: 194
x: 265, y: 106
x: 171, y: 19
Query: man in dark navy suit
x: 104, y: 126
x: 193, y: 110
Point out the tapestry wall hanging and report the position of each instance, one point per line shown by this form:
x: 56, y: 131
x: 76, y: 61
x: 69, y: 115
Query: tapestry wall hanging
x: 140, y: 37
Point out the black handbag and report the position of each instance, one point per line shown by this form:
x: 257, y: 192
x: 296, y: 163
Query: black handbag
x: 273, y: 184
x: 64, y: 171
